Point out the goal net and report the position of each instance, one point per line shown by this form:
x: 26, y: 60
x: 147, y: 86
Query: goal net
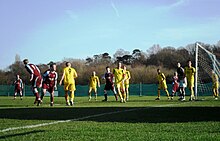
x: 205, y: 62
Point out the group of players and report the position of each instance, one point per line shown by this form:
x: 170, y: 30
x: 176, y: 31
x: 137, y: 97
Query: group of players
x: 184, y: 77
x: 118, y: 79
x: 48, y: 81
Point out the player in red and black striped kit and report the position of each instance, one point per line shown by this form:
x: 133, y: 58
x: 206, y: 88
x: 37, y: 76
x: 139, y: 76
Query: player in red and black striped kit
x: 35, y: 79
x: 18, y: 86
x: 49, y: 82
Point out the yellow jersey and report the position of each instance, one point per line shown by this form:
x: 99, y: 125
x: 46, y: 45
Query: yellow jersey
x: 93, y: 80
x: 161, y: 77
x: 189, y: 72
x: 127, y: 76
x: 119, y: 75
x: 70, y: 75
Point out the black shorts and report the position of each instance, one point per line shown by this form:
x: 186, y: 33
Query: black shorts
x: 109, y: 87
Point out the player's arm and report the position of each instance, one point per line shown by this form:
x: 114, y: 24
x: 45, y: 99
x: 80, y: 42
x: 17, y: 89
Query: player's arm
x: 163, y: 76
x: 123, y: 77
x: 22, y: 86
x: 129, y: 75
x: 61, y: 80
x: 56, y: 77
x: 75, y: 75
x: 194, y: 70
x: 45, y: 74
x: 113, y: 77
x: 98, y: 82
x: 185, y: 71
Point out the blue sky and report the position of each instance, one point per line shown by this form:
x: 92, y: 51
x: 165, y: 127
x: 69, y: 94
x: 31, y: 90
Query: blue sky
x: 45, y: 30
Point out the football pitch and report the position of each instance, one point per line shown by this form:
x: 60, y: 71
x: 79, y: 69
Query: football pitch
x: 141, y: 118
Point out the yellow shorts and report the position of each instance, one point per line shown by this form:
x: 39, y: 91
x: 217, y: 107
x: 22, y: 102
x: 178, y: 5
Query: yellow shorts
x: 190, y: 83
x: 127, y: 85
x: 93, y: 88
x: 162, y: 85
x: 120, y: 86
x: 69, y: 87
x: 215, y: 86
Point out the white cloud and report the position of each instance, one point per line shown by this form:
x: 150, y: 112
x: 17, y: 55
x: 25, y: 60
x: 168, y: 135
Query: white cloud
x: 176, y: 4
x: 115, y: 9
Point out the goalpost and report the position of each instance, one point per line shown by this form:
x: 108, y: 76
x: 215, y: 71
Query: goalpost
x: 205, y: 62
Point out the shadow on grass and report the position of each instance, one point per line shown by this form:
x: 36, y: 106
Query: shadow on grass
x: 116, y: 114
x: 20, y: 134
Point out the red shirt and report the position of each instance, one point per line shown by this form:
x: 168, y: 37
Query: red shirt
x: 33, y: 69
x: 49, y: 77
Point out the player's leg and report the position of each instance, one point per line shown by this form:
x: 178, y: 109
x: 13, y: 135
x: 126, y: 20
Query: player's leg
x: 172, y: 95
x: 215, y: 90
x: 217, y: 93
x: 15, y: 93
x: 21, y: 94
x: 95, y: 91
x: 119, y: 91
x: 37, y: 97
x: 66, y: 90
x: 190, y: 86
x: 72, y: 93
x: 67, y: 98
x: 112, y: 88
x: 182, y: 88
x: 192, y: 97
x: 158, y: 92
x: 174, y: 90
x: 167, y: 93
x: 127, y: 91
x: 90, y: 93
x: 72, y: 96
x: 44, y: 90
x: 51, y: 91
x: 164, y: 86
x: 36, y: 85
x: 123, y: 92
x: 105, y: 95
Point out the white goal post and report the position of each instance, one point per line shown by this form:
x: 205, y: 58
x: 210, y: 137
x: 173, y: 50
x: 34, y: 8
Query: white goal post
x: 205, y: 62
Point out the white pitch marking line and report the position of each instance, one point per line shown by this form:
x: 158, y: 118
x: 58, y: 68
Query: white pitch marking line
x: 78, y: 119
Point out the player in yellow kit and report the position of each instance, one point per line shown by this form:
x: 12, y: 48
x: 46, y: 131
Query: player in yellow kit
x: 162, y: 84
x: 93, y: 82
x: 119, y: 82
x: 68, y: 77
x: 190, y: 72
x: 126, y: 81
x: 215, y: 84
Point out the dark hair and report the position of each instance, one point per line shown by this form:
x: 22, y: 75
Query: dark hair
x: 51, y: 64
x: 67, y: 63
x: 25, y: 61
x: 107, y: 67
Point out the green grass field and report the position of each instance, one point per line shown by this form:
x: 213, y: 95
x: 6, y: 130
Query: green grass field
x: 142, y: 118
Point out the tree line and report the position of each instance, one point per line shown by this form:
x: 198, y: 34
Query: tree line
x: 141, y: 64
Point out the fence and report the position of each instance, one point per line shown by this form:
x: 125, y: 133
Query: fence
x: 82, y: 90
